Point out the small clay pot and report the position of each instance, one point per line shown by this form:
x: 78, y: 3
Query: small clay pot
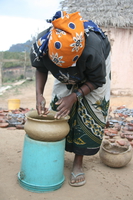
x: 113, y: 130
x: 11, y: 128
x: 3, y: 125
x: 122, y: 135
x: 129, y: 137
x: 130, y: 124
x: 121, y: 107
x: 20, y: 126
x: 110, y: 131
x: 112, y: 140
x: 128, y: 128
x: 113, y: 155
x: 111, y: 135
x: 2, y: 114
x: 2, y: 121
x: 123, y: 142
x: 5, y: 111
x: 117, y: 126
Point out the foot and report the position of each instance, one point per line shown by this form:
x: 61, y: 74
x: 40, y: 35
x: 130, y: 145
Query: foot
x: 77, y: 176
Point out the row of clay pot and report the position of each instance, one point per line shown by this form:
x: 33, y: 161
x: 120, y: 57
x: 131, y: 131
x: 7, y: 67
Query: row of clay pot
x: 119, y: 141
x: 125, y: 134
x: 4, y: 118
x: 16, y: 111
x: 6, y: 125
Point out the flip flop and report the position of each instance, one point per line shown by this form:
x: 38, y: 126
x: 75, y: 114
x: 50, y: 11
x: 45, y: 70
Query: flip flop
x: 79, y: 183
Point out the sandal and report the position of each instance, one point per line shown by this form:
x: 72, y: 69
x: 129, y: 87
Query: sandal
x: 79, y: 183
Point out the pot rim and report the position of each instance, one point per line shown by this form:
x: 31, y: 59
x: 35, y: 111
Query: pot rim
x: 50, y: 112
x: 129, y: 149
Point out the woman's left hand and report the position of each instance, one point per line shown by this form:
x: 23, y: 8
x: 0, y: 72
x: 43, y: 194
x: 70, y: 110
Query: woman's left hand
x: 65, y: 105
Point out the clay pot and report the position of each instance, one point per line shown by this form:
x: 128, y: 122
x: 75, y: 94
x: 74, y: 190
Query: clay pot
x: 122, y: 135
x: 20, y: 126
x: 3, y: 125
x: 121, y: 107
x: 112, y: 140
x: 113, y: 155
x: 117, y: 126
x: 128, y: 128
x: 2, y: 120
x: 123, y: 142
x: 11, y: 128
x: 129, y: 137
x: 111, y: 135
x: 46, y: 128
x: 2, y: 114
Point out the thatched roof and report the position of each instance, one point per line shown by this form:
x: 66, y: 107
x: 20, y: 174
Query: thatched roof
x: 116, y: 13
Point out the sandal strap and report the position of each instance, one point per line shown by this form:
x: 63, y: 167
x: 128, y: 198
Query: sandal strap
x: 79, y: 174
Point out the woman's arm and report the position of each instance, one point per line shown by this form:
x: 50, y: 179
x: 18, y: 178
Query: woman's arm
x: 65, y: 104
x: 41, y: 79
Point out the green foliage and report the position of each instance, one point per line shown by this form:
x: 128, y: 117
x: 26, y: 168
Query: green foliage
x: 12, y: 55
x: 21, y: 77
x: 10, y: 64
x: 14, y: 59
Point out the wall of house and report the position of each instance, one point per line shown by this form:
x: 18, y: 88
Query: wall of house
x: 122, y: 60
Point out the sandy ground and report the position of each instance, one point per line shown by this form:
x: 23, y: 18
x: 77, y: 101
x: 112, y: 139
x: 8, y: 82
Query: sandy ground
x: 102, y: 182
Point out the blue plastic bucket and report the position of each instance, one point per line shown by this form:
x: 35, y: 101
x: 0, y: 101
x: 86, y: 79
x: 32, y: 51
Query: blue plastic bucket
x: 42, y: 165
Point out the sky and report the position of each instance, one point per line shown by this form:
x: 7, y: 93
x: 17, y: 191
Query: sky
x: 20, y: 20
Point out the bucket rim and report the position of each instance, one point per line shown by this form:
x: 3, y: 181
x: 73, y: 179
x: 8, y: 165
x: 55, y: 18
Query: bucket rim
x: 13, y: 99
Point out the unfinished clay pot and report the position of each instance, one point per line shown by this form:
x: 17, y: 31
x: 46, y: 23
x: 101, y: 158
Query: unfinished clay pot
x: 46, y: 128
x: 113, y: 155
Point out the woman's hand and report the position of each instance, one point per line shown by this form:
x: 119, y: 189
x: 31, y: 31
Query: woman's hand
x: 65, y: 105
x: 40, y: 105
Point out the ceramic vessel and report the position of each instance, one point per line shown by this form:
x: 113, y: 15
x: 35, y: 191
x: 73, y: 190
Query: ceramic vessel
x: 115, y: 156
x: 46, y: 128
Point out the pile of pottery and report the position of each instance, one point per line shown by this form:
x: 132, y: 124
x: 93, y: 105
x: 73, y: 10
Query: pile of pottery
x: 13, y: 119
x: 116, y: 148
x: 120, y: 125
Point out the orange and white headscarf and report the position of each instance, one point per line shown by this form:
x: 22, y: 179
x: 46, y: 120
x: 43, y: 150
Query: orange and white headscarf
x: 66, y: 41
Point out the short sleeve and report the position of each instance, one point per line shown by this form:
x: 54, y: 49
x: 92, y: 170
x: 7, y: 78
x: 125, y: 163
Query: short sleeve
x: 37, y: 63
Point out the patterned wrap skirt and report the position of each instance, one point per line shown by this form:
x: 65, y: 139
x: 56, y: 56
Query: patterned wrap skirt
x: 87, y: 117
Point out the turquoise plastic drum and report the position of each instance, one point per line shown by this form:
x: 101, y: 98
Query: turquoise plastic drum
x: 42, y: 166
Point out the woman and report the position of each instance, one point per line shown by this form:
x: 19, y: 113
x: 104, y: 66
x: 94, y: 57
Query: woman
x: 77, y: 53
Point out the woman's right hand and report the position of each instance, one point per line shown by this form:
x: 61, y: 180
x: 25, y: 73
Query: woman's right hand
x: 40, y: 105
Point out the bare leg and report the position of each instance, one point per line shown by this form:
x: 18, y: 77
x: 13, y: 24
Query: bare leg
x: 77, y: 169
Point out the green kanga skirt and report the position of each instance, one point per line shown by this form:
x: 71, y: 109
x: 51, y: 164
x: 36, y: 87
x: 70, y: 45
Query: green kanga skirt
x: 87, y: 117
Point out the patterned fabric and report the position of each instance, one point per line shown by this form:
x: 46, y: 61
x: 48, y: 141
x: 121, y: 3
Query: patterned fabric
x: 65, y: 41
x: 90, y: 25
x: 88, y: 116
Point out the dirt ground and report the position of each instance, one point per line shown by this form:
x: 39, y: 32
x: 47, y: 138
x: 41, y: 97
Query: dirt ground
x: 102, y: 182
